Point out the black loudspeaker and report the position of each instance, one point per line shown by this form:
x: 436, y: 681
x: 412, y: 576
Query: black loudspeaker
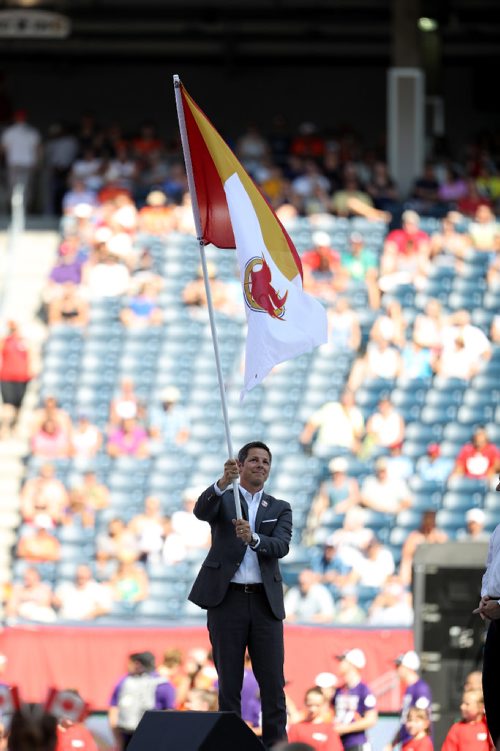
x: 193, y: 731
x: 448, y: 637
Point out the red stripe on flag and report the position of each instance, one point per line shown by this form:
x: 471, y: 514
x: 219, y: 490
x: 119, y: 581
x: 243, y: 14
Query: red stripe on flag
x: 214, y: 213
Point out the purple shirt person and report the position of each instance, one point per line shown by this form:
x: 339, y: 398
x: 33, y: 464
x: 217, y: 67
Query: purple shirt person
x: 250, y: 697
x: 140, y: 690
x: 417, y: 693
x: 354, y: 703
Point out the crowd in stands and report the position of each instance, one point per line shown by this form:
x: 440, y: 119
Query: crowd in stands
x: 411, y: 285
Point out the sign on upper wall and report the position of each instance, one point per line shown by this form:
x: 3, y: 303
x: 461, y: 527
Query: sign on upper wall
x: 22, y: 24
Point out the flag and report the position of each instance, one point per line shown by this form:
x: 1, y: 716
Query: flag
x: 283, y: 320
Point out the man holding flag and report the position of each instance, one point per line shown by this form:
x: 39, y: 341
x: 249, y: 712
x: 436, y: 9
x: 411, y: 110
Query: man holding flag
x: 240, y: 585
x: 240, y: 582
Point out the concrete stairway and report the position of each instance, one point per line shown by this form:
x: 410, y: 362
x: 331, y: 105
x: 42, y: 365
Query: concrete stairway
x: 25, y: 262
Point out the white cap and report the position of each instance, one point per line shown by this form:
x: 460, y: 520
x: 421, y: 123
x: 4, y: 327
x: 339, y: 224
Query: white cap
x: 321, y: 238
x: 337, y: 464
x: 475, y: 515
x: 326, y: 680
x: 409, y: 660
x: 170, y: 394
x: 355, y: 656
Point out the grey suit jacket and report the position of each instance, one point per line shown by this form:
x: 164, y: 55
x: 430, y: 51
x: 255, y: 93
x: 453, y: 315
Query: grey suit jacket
x: 273, y: 524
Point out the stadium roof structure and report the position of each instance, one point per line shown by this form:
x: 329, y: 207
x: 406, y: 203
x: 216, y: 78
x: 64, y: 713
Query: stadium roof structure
x: 245, y: 31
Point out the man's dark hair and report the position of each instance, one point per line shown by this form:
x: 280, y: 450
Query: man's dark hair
x: 243, y: 452
x: 145, y: 659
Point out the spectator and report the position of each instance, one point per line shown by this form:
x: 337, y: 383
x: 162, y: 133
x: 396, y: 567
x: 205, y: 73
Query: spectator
x: 417, y: 693
x: 416, y: 361
x: 473, y: 681
x: 334, y: 424
x: 129, y: 585
x: 392, y: 606
x: 195, y: 298
x: 252, y: 149
x: 85, y: 439
x: 383, y: 189
x: 31, y: 599
x: 473, y: 199
x: 172, y: 669
x: 429, y: 326
x: 475, y: 520
x: 475, y: 340
x: 43, y: 495
x: 374, y: 567
x: 251, y: 707
x: 174, y: 548
x: 140, y: 690
x: 115, y: 540
x: 483, y: 229
x: 417, y: 726
x: 382, y: 493
x: 399, y: 466
x: 352, y: 200
x: 96, y: 494
x: 320, y: 265
x: 385, y: 428
x: 381, y: 360
x: 169, y: 423
x: 405, y: 256
x: 390, y: 325
x: 471, y: 732
x: 433, y: 466
x: 39, y: 545
x: 78, y: 512
x: 105, y: 275
x: 129, y: 439
x: 338, y: 493
x: 71, y: 731
x: 479, y: 459
x: 67, y: 269
x: 354, y: 703
x: 343, y: 326
x: 309, y: 600
x: 126, y: 404
x: 157, y: 217
x: 21, y: 146
x: 332, y: 570
x: 349, y: 612
x: 192, y: 532
x: 148, y: 529
x: 353, y: 536
x: 361, y: 266
x: 15, y: 375
x: 449, y: 245
x: 144, y: 273
x: 424, y: 195
x: 82, y: 600
x: 50, y: 441
x: 50, y: 410
x: 426, y: 533
x: 32, y: 731
x: 455, y: 361
x: 69, y: 308
x: 142, y: 309
x: 315, y: 729
x: 201, y: 700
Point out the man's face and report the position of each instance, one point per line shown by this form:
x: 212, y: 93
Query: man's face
x: 498, y: 485
x: 254, y: 471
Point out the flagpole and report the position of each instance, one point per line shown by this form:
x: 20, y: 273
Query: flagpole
x: 199, y: 236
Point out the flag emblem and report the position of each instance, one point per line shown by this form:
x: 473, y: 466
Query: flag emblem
x: 260, y: 295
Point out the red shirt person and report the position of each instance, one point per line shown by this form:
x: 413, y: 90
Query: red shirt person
x: 315, y: 729
x: 15, y: 374
x: 471, y: 733
x: 479, y: 459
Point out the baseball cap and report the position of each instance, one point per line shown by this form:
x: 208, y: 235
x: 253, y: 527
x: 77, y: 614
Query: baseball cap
x: 326, y: 680
x: 475, y: 515
x: 409, y: 660
x: 433, y: 449
x: 337, y: 464
x: 321, y: 238
x: 355, y: 656
x: 170, y: 394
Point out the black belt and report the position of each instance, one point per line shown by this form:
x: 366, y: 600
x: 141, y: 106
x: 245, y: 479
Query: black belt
x: 249, y: 589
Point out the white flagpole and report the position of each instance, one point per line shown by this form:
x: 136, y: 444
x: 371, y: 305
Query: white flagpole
x: 197, y: 224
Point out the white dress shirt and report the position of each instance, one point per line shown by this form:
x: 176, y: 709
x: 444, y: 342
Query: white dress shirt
x: 491, y: 578
x: 249, y: 569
